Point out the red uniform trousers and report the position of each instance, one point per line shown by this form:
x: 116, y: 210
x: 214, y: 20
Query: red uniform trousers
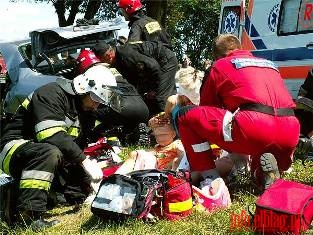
x: 253, y: 133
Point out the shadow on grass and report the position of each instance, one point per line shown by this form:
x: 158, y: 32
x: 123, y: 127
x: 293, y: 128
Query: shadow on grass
x: 96, y: 222
x: 243, y: 184
x: 63, y: 210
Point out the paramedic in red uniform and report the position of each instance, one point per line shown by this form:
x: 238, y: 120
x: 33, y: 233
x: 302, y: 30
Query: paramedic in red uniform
x: 244, y: 108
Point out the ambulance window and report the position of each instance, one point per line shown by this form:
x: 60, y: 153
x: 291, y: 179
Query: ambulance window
x: 305, y: 21
x: 230, y: 20
x: 296, y: 17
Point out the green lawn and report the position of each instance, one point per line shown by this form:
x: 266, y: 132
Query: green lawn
x: 83, y: 222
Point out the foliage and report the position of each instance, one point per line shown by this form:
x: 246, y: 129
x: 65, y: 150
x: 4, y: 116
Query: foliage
x: 108, y: 10
x: 193, y: 24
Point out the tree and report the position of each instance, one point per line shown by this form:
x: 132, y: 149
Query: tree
x: 90, y: 7
x: 193, y: 24
x: 103, y: 9
x: 157, y: 9
x: 60, y: 7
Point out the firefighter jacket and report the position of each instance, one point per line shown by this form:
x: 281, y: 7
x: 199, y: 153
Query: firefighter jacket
x: 143, y: 64
x: 241, y: 78
x: 144, y: 28
x: 49, y: 115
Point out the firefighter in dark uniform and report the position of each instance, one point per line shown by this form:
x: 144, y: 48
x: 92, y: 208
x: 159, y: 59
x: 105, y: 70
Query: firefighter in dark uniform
x: 123, y: 123
x: 305, y: 115
x: 149, y: 66
x: 40, y: 140
x: 142, y: 27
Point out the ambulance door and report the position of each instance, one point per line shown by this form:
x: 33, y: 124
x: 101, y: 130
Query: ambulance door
x: 232, y: 17
x: 295, y: 33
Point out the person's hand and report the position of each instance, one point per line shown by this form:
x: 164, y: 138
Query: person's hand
x: 158, y: 120
x: 92, y: 169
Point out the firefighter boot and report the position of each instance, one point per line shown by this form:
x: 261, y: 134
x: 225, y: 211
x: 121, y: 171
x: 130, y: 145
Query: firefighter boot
x: 34, y: 220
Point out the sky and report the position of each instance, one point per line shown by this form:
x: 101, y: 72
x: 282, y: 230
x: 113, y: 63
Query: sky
x: 19, y: 17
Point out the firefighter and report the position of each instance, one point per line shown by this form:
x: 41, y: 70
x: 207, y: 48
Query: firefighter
x: 149, y: 66
x: 39, y: 141
x: 123, y: 123
x: 142, y: 27
x: 244, y: 108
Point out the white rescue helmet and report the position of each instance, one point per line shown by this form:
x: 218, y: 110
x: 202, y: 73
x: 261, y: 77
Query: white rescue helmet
x: 98, y: 81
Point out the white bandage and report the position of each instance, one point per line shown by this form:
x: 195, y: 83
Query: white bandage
x: 92, y: 169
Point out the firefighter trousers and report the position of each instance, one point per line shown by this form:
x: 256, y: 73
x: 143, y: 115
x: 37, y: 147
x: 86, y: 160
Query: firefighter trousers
x: 36, y: 167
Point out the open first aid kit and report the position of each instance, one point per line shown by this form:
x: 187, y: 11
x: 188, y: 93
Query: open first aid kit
x: 144, y: 194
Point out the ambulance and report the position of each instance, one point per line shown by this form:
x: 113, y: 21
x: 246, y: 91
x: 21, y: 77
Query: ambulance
x: 277, y: 30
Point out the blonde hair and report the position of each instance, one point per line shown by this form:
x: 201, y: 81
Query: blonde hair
x: 189, y: 81
x: 225, y: 43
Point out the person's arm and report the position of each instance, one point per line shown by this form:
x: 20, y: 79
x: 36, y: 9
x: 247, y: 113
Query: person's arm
x: 209, y: 89
x: 49, y: 113
x: 307, y: 86
x: 147, y: 64
x: 88, y: 132
x: 135, y: 33
x: 49, y: 117
x: 179, y: 148
x: 173, y: 101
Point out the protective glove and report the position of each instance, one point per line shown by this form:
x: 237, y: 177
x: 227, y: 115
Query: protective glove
x: 92, y: 168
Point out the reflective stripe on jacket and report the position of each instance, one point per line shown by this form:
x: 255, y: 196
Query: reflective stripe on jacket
x: 50, y: 115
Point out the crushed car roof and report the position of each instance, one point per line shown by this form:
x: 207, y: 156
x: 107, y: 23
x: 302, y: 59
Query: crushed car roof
x: 77, y: 31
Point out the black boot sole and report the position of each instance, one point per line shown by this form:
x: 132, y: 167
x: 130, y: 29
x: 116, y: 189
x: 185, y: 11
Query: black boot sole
x: 269, y: 168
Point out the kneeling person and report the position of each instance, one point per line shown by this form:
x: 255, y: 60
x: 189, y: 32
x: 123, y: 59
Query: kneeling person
x: 40, y: 139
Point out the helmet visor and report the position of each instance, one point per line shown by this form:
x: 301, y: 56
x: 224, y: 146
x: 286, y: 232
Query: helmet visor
x: 110, y: 97
x: 96, y: 98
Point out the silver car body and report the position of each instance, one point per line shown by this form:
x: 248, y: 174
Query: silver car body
x: 29, y: 69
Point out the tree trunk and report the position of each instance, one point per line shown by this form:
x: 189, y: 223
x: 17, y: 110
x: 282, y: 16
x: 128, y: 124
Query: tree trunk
x: 164, y: 13
x: 73, y: 11
x: 92, y: 9
x: 157, y: 10
x: 60, y: 10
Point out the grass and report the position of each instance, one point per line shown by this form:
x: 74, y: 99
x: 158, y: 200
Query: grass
x: 243, y: 195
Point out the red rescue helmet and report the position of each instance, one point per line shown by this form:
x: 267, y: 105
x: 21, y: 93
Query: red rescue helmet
x: 85, y: 60
x: 130, y: 6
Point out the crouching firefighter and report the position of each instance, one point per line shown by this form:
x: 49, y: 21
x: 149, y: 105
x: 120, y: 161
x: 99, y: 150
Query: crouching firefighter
x: 40, y: 141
